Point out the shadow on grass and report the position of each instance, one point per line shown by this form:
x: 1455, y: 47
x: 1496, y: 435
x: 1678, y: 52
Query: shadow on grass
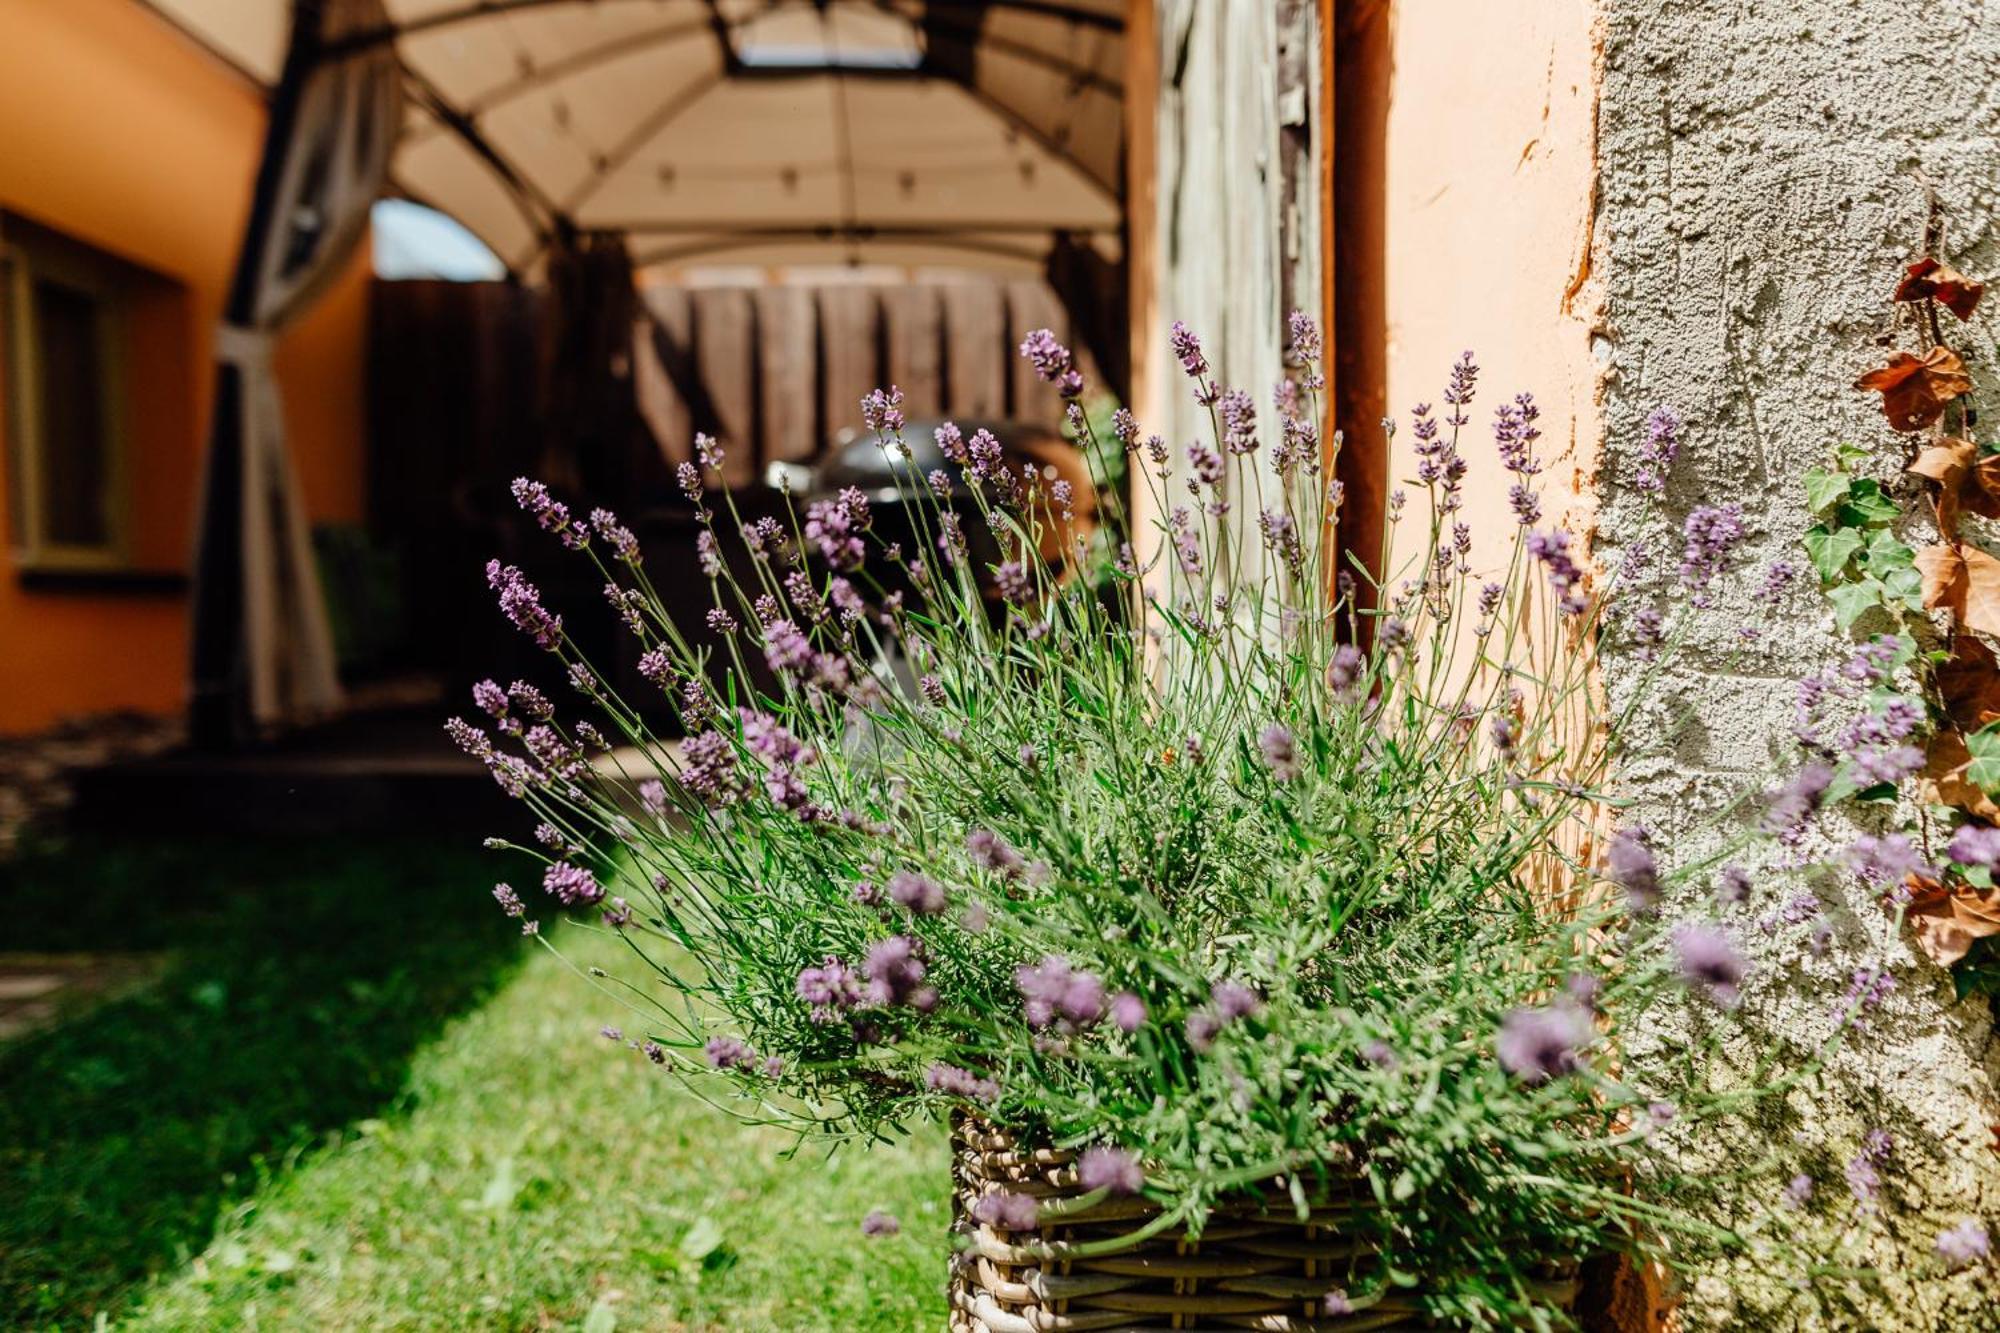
x: 303, y: 976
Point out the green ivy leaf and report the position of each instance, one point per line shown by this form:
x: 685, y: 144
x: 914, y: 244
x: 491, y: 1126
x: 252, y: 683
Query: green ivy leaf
x: 1984, y: 747
x: 1886, y: 553
x: 1853, y: 600
x: 1850, y: 455
x: 1830, y: 550
x: 1866, y: 506
x: 1823, y: 488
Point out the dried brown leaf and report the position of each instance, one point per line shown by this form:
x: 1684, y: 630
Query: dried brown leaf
x: 1981, y: 492
x: 1969, y: 683
x: 1927, y: 279
x: 1943, y: 569
x: 1982, y: 591
x: 1948, y: 917
x: 1945, y: 782
x: 1915, y: 389
x: 1949, y: 464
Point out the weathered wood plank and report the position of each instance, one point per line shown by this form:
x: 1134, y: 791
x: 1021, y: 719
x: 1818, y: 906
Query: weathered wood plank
x: 724, y: 344
x: 662, y: 365
x: 913, y: 321
x: 976, y: 354
x: 787, y: 373
x: 849, y: 334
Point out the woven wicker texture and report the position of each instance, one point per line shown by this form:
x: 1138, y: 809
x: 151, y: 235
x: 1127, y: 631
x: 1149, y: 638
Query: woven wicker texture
x: 1257, y: 1265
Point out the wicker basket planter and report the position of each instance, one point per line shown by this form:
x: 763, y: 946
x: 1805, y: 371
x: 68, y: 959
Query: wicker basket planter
x: 1255, y: 1266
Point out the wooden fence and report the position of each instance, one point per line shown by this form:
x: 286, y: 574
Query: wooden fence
x: 776, y: 373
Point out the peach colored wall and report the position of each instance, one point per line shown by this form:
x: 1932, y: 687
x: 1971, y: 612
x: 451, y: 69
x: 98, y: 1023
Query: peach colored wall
x: 123, y: 134
x: 1490, y: 169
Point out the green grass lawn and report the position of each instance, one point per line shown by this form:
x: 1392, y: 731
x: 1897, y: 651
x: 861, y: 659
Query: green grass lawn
x: 356, y: 1100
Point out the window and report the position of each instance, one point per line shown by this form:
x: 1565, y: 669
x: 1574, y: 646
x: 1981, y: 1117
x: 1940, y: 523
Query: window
x: 64, y: 389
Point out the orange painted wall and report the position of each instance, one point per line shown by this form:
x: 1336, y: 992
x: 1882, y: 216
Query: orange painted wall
x: 125, y: 135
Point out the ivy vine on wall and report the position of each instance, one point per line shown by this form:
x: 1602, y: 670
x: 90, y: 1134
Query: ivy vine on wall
x: 1944, y: 599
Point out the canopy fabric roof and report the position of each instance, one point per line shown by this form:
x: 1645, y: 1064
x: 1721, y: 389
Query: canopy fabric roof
x: 745, y: 131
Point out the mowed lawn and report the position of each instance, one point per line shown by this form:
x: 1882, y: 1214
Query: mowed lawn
x: 357, y: 1100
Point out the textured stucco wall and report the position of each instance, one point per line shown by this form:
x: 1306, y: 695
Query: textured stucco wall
x: 1762, y: 170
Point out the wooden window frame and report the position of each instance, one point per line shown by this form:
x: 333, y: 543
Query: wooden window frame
x: 25, y: 258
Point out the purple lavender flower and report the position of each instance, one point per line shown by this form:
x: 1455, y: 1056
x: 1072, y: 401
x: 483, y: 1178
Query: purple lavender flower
x: 1964, y: 1245
x: 1187, y: 350
x: 1583, y: 988
x: 1732, y: 886
x: 950, y: 443
x: 1381, y: 1054
x: 1710, y: 534
x: 985, y: 455
x: 510, y: 901
x: 1648, y: 631
x: 1631, y: 865
x: 1798, y: 1191
x: 1306, y: 347
x: 653, y: 1051
x: 1515, y: 433
x: 709, y: 768
x: 617, y: 913
x: 1274, y: 742
x: 1052, y: 362
x: 1052, y: 990
x: 829, y: 988
x: 1864, y: 1169
x: 1888, y: 859
x: 610, y: 1033
x: 1238, y: 411
x: 992, y: 852
x: 1658, y: 451
x: 623, y: 543
x: 490, y: 698
x: 727, y: 1053
x: 832, y: 526
x: 469, y: 738
x: 1203, y: 1026
x: 1335, y: 1303
x: 1111, y: 1169
x: 919, y: 893
x: 572, y: 885
x: 882, y: 410
x: 1537, y: 1045
x: 521, y: 603
x: 1233, y: 1000
x: 1006, y: 1211
x: 1010, y: 577
x: 708, y: 451
x: 879, y: 1223
x: 1790, y: 807
x: 1708, y: 960
x: 1865, y: 994
x: 1777, y: 577
x: 552, y: 515
x: 1975, y: 846
x: 1552, y: 550
x: 956, y: 1082
x: 1128, y: 1011
x: 895, y: 971
x: 1344, y: 669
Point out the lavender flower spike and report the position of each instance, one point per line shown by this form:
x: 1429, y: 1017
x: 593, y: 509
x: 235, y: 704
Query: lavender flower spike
x: 1537, y: 1045
x: 1708, y: 960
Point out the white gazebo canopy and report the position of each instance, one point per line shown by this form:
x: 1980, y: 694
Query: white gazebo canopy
x: 756, y: 132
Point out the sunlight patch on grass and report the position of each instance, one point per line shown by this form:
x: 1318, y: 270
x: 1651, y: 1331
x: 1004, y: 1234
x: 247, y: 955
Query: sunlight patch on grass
x: 537, y: 1177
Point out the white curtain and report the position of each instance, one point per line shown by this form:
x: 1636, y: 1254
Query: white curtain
x: 330, y: 169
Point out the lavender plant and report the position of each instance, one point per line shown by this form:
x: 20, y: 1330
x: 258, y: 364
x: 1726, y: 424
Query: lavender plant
x: 1255, y: 874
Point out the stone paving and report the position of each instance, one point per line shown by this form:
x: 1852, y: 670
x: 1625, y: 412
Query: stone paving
x: 35, y: 784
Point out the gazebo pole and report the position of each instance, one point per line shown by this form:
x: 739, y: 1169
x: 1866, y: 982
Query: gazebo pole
x: 218, y: 710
